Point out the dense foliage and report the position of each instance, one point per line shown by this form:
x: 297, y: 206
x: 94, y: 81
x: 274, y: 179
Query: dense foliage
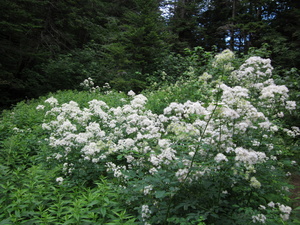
x: 52, y: 45
x: 216, y: 147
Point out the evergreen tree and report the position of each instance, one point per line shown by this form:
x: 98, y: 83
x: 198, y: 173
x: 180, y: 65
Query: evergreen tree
x: 144, y: 35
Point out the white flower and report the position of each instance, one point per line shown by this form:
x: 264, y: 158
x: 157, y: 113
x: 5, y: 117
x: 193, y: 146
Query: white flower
x: 138, y: 101
x: 280, y: 114
x: 272, y: 90
x: 59, y: 180
x: 290, y: 105
x: 223, y: 58
x: 153, y: 171
x: 265, y: 125
x: 148, y: 189
x: 285, y: 217
x: 271, y: 204
x: 52, y: 101
x: 90, y: 149
x: 259, y: 218
x: 129, y: 158
x: 242, y: 126
x: 117, y: 170
x: 181, y: 174
x: 164, y: 143
x: 131, y: 93
x: 255, y: 142
x: 57, y: 156
x: 145, y: 212
x: 262, y: 207
x: 40, y: 107
x: 254, y: 183
x: 254, y: 69
x: 220, y: 157
x: 285, y: 209
x: 293, y: 162
x: 249, y: 156
x: 106, y: 86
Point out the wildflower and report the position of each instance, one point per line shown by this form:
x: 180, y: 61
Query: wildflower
x: 129, y: 158
x: 59, y: 180
x: 138, y: 101
x: 271, y: 204
x: 181, y: 174
x: 40, y: 107
x: 205, y: 76
x: 249, y: 156
x: 242, y: 126
x: 153, y: 171
x: 57, y: 156
x: 145, y: 212
x: 106, y: 86
x: 117, y: 170
x: 255, y: 142
x: 286, y: 210
x: 259, y: 218
x: 265, y: 125
x: 262, y: 207
x: 223, y: 59
x: 90, y: 149
x: 254, y: 183
x: 290, y: 105
x: 52, y: 101
x: 131, y: 93
x: 147, y: 189
x: 272, y: 90
x: 280, y: 114
x: 220, y: 157
x: 285, y: 217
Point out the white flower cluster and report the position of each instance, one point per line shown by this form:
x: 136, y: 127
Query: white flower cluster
x: 146, y: 212
x: 254, y: 183
x: 88, y: 84
x: 100, y: 131
x: 59, y: 180
x: 284, y: 211
x: 256, y: 75
x: 254, y: 71
x: 40, y: 107
x: 295, y: 131
x: 130, y: 139
x: 52, y: 101
x: 220, y: 157
x: 260, y: 218
x: 249, y: 157
x: 223, y: 59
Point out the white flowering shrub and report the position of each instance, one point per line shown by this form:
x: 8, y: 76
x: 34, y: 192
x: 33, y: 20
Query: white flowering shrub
x: 89, y: 85
x: 195, y: 159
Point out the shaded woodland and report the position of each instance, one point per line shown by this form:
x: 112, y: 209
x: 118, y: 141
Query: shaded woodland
x: 52, y: 45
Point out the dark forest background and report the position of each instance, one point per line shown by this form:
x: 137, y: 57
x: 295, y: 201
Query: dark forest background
x: 50, y: 45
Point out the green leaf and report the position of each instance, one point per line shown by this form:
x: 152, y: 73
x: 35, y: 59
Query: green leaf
x: 103, y: 211
x: 6, y: 222
x: 160, y: 194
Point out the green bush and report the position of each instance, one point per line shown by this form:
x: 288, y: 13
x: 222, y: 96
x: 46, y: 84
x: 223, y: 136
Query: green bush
x: 212, y: 148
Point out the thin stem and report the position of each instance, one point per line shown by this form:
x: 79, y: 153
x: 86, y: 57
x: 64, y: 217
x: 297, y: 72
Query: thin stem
x: 201, y: 137
x: 194, y: 156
